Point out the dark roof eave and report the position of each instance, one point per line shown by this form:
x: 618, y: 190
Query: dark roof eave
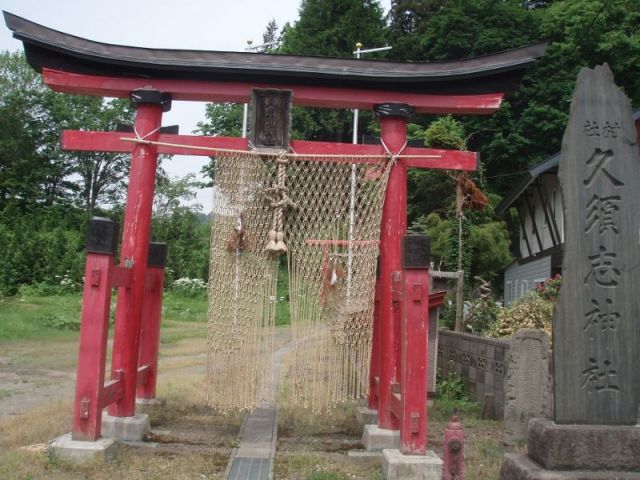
x: 50, y: 48
x: 526, y: 180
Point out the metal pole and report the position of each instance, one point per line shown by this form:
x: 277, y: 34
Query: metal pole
x: 352, y: 194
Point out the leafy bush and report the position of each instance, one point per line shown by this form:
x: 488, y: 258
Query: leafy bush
x: 450, y: 386
x: 530, y: 311
x: 62, y: 322
x: 533, y: 310
x: 482, y: 315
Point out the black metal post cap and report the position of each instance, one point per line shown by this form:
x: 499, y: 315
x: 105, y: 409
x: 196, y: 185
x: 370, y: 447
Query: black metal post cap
x: 401, y: 110
x: 102, y: 236
x: 157, y: 255
x: 153, y: 97
x: 416, y: 251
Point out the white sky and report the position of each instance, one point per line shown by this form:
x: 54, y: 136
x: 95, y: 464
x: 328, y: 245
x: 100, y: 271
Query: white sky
x: 187, y: 24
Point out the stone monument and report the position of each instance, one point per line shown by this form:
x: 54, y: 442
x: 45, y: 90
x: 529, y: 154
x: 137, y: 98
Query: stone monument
x: 596, y: 325
x: 527, y: 384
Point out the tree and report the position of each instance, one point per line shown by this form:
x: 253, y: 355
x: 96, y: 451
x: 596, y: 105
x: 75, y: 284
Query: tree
x: 270, y: 37
x: 178, y: 222
x: 222, y: 119
x: 34, y: 169
x: 529, y: 126
x: 331, y: 29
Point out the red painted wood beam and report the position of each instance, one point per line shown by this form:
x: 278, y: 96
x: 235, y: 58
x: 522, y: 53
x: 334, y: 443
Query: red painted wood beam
x: 150, y: 332
x: 112, y: 392
x: 143, y: 375
x: 238, y: 92
x: 111, y: 142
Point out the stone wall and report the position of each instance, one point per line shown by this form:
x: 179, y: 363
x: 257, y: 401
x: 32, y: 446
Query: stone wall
x: 481, y: 362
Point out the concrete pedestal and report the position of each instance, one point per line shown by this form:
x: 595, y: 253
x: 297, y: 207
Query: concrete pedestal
x: 397, y: 466
x: 375, y: 438
x: 567, y: 452
x: 126, y: 429
x: 366, y: 416
x: 67, y: 449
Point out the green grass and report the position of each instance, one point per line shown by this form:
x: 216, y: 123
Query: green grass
x: 184, y: 309
x: 283, y: 315
x: 29, y: 316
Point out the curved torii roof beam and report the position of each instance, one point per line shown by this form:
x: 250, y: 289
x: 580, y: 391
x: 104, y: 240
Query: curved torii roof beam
x: 463, y: 86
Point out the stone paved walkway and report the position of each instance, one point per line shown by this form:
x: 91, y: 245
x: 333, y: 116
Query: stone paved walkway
x: 253, y: 460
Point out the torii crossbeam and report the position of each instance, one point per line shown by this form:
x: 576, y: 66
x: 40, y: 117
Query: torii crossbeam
x: 152, y: 78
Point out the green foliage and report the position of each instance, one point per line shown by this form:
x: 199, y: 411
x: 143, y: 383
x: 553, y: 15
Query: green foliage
x: 332, y: 29
x: 181, y: 226
x: 445, y: 132
x: 486, y: 243
x: 453, y: 29
x: 283, y: 312
x: 30, y: 315
x: 452, y: 397
x: 43, y: 247
x: 62, y: 322
x: 482, y: 315
x: 450, y: 386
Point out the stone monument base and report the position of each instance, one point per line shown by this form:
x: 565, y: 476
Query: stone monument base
x: 521, y: 467
x: 576, y: 452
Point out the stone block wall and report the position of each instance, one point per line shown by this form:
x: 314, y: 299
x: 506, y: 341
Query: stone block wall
x: 481, y: 362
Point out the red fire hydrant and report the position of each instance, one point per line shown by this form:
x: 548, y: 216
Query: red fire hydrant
x: 452, y: 466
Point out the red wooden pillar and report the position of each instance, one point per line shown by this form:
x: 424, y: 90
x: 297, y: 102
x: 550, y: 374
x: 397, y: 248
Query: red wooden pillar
x: 414, y: 344
x: 374, y: 369
x: 393, y: 118
x: 135, y: 243
x: 150, y: 327
x: 101, y: 246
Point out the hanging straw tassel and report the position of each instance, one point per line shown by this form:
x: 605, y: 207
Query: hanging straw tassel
x: 271, y: 245
x: 278, y: 200
x: 281, y: 247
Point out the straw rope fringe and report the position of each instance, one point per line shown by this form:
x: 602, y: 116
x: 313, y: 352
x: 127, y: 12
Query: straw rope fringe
x: 332, y: 247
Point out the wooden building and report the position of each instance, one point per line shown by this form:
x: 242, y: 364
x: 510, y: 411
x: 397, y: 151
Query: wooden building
x: 533, y: 208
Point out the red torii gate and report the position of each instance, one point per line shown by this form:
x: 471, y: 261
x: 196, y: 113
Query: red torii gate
x: 411, y: 325
x: 74, y: 65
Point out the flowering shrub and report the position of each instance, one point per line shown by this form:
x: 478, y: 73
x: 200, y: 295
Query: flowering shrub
x: 189, y: 287
x: 550, y: 288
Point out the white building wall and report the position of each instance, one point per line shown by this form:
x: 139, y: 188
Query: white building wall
x: 521, y: 278
x: 550, y: 188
